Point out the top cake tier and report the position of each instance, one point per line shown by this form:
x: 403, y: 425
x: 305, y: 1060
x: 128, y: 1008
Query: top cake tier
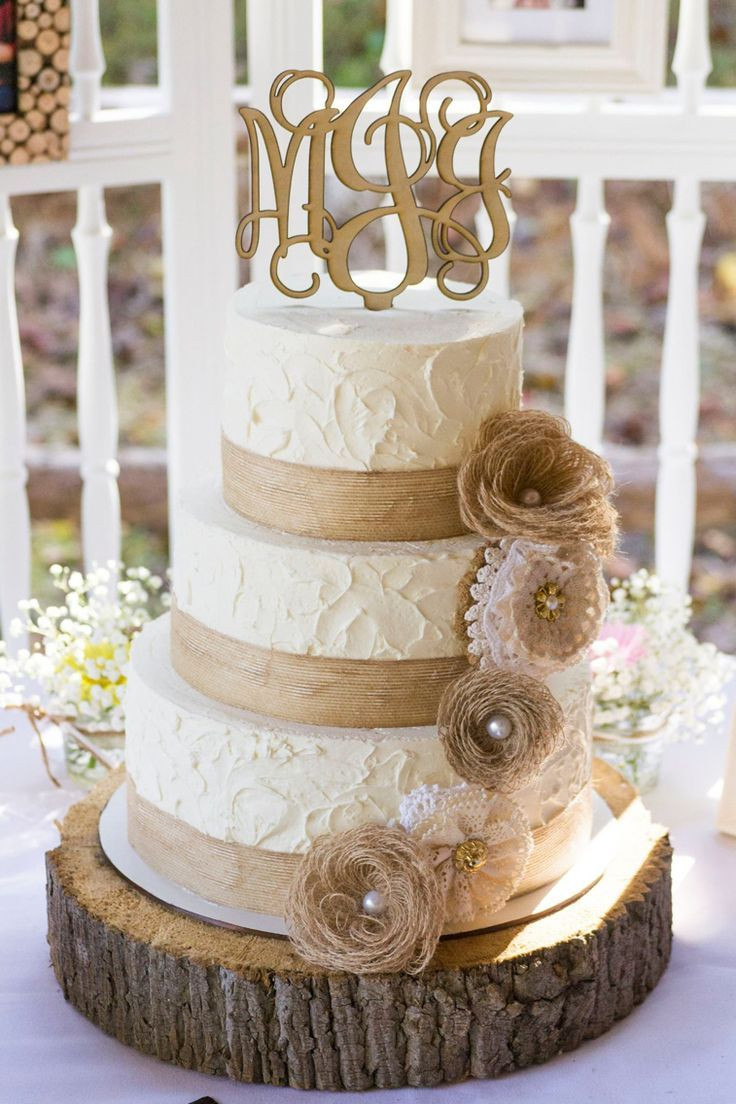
x: 330, y: 386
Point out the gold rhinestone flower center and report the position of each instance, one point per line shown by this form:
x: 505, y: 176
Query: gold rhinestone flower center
x: 470, y: 856
x: 548, y: 602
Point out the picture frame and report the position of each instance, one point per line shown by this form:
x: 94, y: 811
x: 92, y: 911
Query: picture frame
x: 35, y: 34
x: 588, y: 47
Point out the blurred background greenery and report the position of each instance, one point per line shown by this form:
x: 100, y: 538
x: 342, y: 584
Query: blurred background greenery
x: 353, y: 39
x: 637, y: 267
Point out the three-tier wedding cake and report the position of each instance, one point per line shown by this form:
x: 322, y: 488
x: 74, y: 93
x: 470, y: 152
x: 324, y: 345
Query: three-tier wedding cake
x: 330, y: 594
x: 367, y: 715
x: 365, y: 723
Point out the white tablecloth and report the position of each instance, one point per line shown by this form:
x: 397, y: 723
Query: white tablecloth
x: 679, y: 1047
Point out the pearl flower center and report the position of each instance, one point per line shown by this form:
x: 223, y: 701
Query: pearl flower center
x: 374, y: 903
x: 498, y: 726
x: 530, y: 496
x: 470, y: 856
x: 548, y: 602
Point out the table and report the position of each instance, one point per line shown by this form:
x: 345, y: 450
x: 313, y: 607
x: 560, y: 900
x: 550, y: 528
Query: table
x: 679, y: 1047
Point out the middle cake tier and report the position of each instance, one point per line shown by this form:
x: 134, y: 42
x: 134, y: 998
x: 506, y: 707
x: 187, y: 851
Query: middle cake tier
x: 318, y: 631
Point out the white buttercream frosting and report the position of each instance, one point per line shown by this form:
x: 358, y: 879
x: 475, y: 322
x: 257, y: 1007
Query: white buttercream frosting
x: 249, y: 779
x: 327, y: 384
x: 351, y: 600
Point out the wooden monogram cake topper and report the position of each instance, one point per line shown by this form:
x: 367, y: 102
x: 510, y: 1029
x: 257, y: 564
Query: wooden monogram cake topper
x: 329, y: 132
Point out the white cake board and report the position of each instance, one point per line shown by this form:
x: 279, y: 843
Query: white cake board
x: 577, y: 881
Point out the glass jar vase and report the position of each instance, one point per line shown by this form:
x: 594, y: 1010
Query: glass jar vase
x: 90, y: 755
x: 636, y: 754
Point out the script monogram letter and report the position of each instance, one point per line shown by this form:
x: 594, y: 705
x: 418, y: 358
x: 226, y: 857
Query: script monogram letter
x: 328, y: 132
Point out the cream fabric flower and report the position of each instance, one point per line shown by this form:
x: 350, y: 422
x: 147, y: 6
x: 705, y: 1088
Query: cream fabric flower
x: 538, y: 607
x: 479, y: 844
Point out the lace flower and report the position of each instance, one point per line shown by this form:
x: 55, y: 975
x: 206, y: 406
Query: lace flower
x: 366, y: 901
x: 527, y: 478
x: 498, y: 727
x: 537, y: 607
x: 479, y: 843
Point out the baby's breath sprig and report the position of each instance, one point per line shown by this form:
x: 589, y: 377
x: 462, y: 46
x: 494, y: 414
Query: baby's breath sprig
x: 648, y: 668
x: 76, y: 668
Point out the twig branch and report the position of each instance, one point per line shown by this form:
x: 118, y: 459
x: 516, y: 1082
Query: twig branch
x: 93, y: 749
x: 35, y: 714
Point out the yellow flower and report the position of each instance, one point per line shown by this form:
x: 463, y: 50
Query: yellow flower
x: 100, y: 654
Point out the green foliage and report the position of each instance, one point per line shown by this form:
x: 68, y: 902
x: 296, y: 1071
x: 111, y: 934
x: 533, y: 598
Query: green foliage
x: 353, y: 40
x: 59, y: 541
x: 129, y: 40
x: 241, y: 41
x: 723, y: 43
x: 64, y: 257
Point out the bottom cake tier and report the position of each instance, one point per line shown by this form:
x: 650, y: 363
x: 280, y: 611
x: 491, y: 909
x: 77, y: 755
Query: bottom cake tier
x: 225, y: 802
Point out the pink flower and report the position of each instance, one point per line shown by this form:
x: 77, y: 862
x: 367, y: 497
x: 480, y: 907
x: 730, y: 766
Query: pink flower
x: 630, y: 640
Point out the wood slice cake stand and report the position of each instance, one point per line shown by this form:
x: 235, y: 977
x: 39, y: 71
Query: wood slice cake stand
x: 245, y: 1006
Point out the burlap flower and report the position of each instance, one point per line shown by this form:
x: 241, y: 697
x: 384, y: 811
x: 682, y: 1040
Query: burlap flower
x: 479, y: 843
x: 497, y: 727
x: 366, y: 901
x: 527, y: 478
x: 538, y: 608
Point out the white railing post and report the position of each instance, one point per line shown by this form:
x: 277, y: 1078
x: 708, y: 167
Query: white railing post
x: 196, y: 67
x: 396, y: 53
x: 96, y: 392
x: 680, y: 378
x: 692, y: 62
x: 86, y: 58
x: 679, y: 390
x: 15, y: 523
x: 283, y: 34
x: 585, y: 373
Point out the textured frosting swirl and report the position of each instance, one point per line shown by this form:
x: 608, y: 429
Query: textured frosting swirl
x: 249, y: 779
x: 334, y: 386
x: 351, y: 600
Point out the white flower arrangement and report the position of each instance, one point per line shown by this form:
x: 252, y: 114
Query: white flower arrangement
x: 649, y: 671
x: 76, y: 668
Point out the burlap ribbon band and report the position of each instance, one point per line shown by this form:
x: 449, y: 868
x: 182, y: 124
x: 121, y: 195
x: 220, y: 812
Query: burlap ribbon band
x: 251, y: 878
x: 333, y: 504
x: 320, y: 690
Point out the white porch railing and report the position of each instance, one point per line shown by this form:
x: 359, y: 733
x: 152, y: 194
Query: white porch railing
x: 181, y: 135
